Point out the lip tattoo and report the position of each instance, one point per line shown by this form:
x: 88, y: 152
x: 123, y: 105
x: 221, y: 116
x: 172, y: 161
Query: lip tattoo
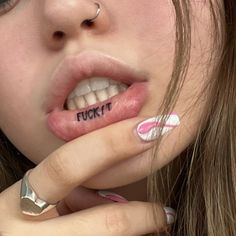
x: 94, y: 112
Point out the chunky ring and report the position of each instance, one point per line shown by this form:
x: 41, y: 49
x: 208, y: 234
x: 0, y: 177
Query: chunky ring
x: 30, y: 203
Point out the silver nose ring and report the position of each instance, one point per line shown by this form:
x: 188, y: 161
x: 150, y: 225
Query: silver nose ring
x: 97, y: 13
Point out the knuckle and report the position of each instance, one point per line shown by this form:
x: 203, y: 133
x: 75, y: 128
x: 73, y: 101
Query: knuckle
x: 113, y: 146
x: 120, y: 144
x: 116, y: 221
x: 57, y: 168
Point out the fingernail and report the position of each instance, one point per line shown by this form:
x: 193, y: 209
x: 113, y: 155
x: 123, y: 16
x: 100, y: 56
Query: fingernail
x: 170, y: 215
x: 150, y: 129
x: 112, y: 196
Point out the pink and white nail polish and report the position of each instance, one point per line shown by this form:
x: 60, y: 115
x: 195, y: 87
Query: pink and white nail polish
x: 112, y: 196
x: 150, y: 129
x: 170, y: 215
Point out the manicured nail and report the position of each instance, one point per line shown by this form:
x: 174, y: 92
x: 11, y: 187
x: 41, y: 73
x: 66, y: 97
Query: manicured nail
x: 112, y: 196
x: 170, y: 215
x: 150, y: 129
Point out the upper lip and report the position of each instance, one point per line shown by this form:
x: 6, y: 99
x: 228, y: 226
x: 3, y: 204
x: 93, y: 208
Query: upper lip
x: 87, y: 64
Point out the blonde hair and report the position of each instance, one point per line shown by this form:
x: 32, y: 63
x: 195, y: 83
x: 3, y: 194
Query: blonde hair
x: 201, y: 183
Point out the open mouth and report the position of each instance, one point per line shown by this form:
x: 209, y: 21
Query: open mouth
x: 91, y: 91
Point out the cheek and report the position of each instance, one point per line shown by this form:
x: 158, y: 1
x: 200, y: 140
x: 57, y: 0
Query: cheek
x: 20, y: 66
x: 149, y: 26
x: 13, y: 51
x: 17, y: 84
x: 14, y: 85
x: 148, y: 20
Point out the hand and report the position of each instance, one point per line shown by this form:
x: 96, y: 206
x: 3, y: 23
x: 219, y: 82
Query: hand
x: 67, y: 168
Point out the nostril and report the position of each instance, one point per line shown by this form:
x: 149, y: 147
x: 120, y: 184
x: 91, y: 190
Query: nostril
x: 87, y: 23
x: 58, y: 35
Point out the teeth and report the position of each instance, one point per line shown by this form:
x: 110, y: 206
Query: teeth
x: 99, y: 83
x: 113, y: 82
x: 123, y: 87
x: 91, y: 91
x: 72, y: 95
x: 113, y: 90
x: 82, y: 88
x: 80, y: 102
x: 91, y: 98
x: 71, y: 105
x: 102, y: 95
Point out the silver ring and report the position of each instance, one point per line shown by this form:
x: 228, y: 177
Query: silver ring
x: 97, y: 14
x: 30, y: 203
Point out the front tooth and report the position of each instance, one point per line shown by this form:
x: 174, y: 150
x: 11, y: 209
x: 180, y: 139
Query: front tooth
x: 91, y: 98
x: 80, y: 102
x: 99, y: 83
x: 82, y: 88
x: 112, y: 90
x: 102, y: 95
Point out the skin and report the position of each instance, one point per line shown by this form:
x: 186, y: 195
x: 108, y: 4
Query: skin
x: 145, y: 33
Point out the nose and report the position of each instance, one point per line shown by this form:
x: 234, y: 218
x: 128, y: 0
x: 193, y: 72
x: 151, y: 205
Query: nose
x: 63, y: 20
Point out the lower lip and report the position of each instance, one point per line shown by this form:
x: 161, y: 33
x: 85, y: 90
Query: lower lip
x: 68, y: 125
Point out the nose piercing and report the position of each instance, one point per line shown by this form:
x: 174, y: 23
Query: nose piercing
x: 97, y: 13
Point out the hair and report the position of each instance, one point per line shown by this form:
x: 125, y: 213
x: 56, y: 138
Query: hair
x: 201, y: 182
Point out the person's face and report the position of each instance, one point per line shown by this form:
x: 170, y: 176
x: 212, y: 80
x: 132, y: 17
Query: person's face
x: 139, y: 33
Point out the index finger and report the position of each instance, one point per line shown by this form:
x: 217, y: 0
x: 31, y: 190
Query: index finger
x: 82, y: 158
